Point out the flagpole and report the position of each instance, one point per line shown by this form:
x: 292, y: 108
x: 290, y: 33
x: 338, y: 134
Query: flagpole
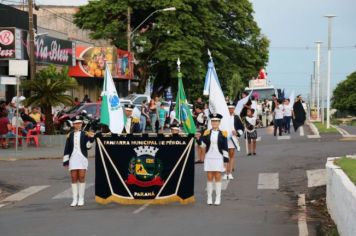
x: 179, y: 77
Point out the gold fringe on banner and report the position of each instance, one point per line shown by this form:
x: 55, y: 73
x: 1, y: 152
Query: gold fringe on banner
x: 126, y: 201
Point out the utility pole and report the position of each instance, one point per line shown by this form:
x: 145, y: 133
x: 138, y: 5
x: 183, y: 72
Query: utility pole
x: 328, y: 89
x: 31, y: 44
x: 317, y: 81
x: 129, y: 42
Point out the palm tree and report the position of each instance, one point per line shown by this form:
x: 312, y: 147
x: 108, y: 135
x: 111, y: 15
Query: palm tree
x: 48, y: 90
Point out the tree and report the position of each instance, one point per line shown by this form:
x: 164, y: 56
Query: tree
x: 48, y: 90
x: 227, y: 28
x: 344, y: 96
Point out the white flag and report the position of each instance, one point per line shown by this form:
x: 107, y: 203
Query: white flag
x: 217, y: 103
x: 240, y: 104
x: 111, y: 111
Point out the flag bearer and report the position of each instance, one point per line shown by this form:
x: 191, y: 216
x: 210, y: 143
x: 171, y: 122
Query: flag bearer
x: 232, y: 142
x: 215, y: 143
x: 76, y: 159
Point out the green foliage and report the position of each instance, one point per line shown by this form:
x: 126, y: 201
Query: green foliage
x: 227, y: 28
x: 344, y: 96
x: 47, y: 90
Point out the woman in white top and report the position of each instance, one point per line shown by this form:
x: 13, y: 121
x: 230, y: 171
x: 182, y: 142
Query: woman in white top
x: 278, y: 117
x: 287, y: 115
x: 215, y: 143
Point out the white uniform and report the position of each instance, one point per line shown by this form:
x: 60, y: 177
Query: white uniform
x: 77, y: 160
x: 214, y: 160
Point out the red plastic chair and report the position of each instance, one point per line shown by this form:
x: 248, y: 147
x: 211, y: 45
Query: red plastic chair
x: 33, y: 134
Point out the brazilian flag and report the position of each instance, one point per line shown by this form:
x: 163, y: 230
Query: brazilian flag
x: 183, y: 113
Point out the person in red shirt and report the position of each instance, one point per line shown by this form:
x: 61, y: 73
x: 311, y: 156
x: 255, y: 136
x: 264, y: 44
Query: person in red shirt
x: 5, y: 126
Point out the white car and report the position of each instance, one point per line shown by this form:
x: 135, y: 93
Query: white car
x: 135, y: 99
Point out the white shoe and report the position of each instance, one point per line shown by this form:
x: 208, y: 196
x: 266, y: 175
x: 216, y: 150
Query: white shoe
x: 75, y: 195
x: 209, y: 190
x: 225, y: 177
x: 230, y: 176
x: 218, y: 193
x: 81, y: 194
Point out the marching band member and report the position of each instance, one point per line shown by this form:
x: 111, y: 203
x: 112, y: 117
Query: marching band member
x: 237, y: 131
x: 175, y: 129
x: 76, y: 158
x: 215, y: 143
x: 132, y: 124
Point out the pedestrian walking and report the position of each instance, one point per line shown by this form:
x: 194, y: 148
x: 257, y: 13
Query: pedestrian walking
x: 251, y: 132
x: 278, y: 117
x: 215, y: 143
x: 287, y: 115
x: 76, y: 159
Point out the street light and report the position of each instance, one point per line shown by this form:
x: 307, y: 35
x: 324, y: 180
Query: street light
x: 330, y: 17
x: 160, y: 10
x: 317, y: 79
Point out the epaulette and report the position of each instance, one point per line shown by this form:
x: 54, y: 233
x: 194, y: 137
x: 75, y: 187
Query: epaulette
x: 224, y: 133
x: 206, y: 132
x: 135, y: 120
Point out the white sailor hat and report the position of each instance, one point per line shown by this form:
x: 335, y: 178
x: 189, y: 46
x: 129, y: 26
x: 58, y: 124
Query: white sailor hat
x: 175, y: 126
x: 231, y: 105
x: 77, y: 119
x: 215, y: 116
x: 129, y: 107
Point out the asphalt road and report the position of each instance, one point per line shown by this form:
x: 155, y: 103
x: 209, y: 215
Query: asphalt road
x: 248, y: 206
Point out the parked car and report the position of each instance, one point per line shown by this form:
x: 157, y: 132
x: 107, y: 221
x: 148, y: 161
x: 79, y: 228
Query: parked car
x: 135, y: 99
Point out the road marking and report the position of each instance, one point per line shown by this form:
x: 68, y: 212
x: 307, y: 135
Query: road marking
x: 141, y: 208
x: 316, y: 177
x: 24, y: 193
x: 301, y: 131
x: 302, y: 216
x: 2, y: 205
x: 313, y: 136
x: 68, y: 192
x: 268, y: 181
x: 283, y: 137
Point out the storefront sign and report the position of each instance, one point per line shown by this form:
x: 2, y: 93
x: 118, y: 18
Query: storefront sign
x: 51, y: 50
x: 91, y: 62
x: 10, y: 43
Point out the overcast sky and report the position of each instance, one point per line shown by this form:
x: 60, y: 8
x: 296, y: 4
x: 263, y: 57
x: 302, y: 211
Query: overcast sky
x: 292, y: 27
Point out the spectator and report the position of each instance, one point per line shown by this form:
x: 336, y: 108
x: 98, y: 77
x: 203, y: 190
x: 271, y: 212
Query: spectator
x: 144, y: 116
x: 86, y: 99
x: 76, y: 101
x: 153, y: 114
x: 20, y: 124
x: 5, y: 128
x: 18, y: 100
x: 36, y: 115
x: 29, y: 122
x: 99, y: 99
x: 162, y: 117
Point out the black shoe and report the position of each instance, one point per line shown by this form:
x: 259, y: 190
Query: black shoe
x: 199, y: 162
x: 254, y: 154
x: 249, y: 154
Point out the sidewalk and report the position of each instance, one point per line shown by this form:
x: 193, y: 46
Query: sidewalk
x: 31, y: 152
